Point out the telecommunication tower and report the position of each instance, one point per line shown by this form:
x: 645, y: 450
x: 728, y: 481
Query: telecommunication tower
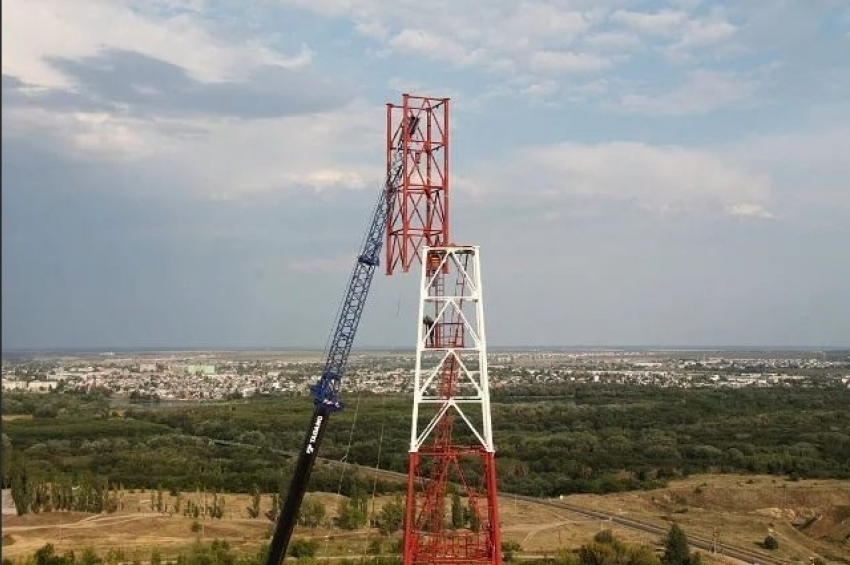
x: 451, y: 442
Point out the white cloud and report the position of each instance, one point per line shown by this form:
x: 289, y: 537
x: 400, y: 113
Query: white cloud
x: 702, y: 92
x: 85, y: 135
x: 567, y: 62
x: 748, y: 210
x: 541, y: 90
x: 222, y: 158
x: 323, y: 179
x: 608, y: 41
x: 811, y: 170
x: 545, y: 20
x: 497, y: 36
x: 429, y: 45
x: 660, y: 178
x: 678, y: 28
x: 663, y: 23
x: 698, y: 33
x: 372, y: 28
x: 35, y: 30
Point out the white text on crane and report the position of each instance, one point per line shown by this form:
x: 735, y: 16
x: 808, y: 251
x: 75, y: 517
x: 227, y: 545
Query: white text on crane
x: 314, y: 435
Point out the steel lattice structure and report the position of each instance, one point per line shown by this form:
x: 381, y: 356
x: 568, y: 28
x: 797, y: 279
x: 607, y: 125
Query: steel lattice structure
x: 419, y: 213
x: 451, y: 443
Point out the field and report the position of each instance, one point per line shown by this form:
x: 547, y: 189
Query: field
x: 808, y: 518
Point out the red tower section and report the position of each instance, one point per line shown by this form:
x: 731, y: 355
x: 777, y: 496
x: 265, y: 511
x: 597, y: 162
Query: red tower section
x: 452, y: 508
x: 419, y: 208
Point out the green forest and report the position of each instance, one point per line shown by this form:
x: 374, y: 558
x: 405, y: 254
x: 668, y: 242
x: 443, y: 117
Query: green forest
x: 551, y: 440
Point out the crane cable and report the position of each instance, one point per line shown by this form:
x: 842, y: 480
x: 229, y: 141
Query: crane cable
x: 377, y: 466
x: 350, y: 439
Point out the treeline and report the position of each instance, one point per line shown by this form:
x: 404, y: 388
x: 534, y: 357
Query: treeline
x: 603, y: 549
x: 216, y: 552
x: 550, y: 440
x: 59, y: 403
x: 86, y: 494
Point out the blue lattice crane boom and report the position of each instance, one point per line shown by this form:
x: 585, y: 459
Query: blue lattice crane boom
x: 325, y: 392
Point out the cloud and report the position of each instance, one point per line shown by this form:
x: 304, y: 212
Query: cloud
x: 567, y: 62
x: 113, y: 79
x: 663, y: 23
x: 666, y: 178
x: 429, y: 45
x: 679, y: 32
x: 546, y: 20
x: 213, y: 157
x: 496, y: 36
x: 748, y: 210
x: 702, y: 92
x: 36, y: 30
x: 612, y: 41
x: 810, y: 171
x: 698, y: 33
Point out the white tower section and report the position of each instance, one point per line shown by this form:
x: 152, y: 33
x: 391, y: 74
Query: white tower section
x: 451, y: 349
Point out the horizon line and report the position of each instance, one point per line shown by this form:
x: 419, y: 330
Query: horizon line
x: 548, y: 347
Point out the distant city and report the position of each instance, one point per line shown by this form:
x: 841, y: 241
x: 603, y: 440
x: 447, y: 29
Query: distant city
x: 219, y: 375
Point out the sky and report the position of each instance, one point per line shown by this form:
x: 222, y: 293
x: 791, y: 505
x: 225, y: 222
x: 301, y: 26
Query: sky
x: 199, y: 173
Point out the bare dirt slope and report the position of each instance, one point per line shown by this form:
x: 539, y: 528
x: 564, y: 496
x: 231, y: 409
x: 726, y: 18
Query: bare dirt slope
x: 808, y: 517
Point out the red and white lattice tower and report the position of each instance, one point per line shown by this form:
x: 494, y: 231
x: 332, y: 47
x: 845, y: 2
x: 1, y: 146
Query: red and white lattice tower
x: 451, y: 440
x: 419, y: 208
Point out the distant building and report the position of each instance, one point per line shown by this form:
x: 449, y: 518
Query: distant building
x: 202, y: 369
x: 41, y: 386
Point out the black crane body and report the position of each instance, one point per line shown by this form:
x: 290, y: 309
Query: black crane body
x: 325, y: 392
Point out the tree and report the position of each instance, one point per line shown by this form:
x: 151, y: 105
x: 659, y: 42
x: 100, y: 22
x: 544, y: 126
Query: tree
x: 472, y: 517
x: 457, y: 512
x: 6, y: 456
x: 391, y: 517
x: 605, y: 549
x: 676, y: 549
x: 254, y: 509
x: 771, y: 543
x: 89, y: 557
x: 22, y: 494
x: 352, y: 512
x: 596, y: 553
x: 46, y: 555
x: 312, y: 512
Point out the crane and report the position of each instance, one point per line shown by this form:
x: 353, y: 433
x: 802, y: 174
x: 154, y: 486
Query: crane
x: 325, y: 392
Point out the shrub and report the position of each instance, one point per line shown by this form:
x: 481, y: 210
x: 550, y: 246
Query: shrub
x: 301, y: 548
x: 374, y: 547
x: 508, y: 550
